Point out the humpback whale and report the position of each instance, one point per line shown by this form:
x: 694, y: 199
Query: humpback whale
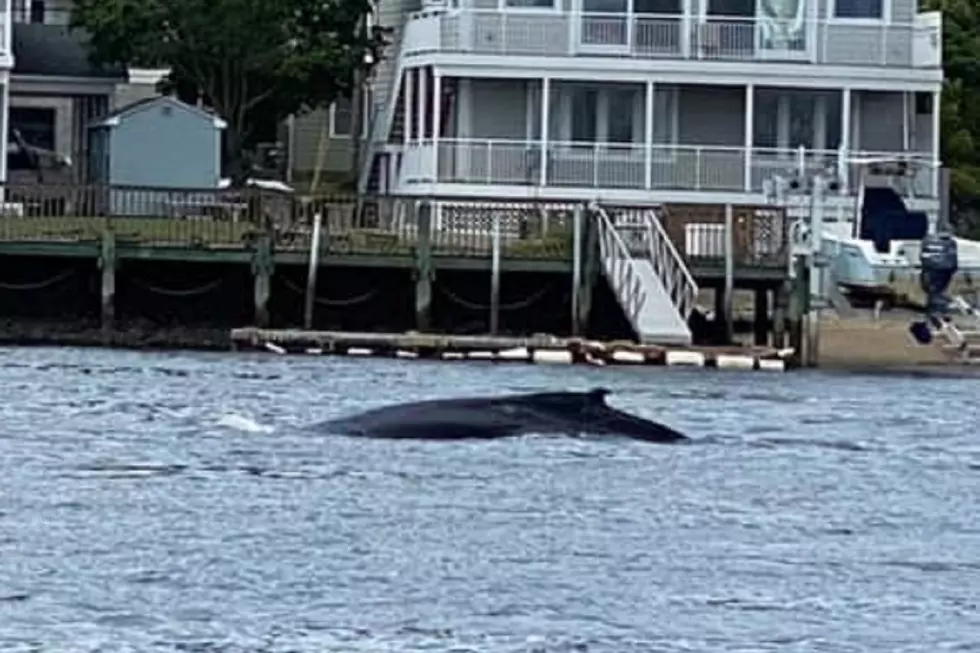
x: 569, y: 413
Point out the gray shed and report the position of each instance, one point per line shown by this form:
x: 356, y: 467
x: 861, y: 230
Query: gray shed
x: 158, y: 142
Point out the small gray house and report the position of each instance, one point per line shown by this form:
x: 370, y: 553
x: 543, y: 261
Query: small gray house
x: 157, y: 142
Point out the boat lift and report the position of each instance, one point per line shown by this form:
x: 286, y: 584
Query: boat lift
x: 938, y: 258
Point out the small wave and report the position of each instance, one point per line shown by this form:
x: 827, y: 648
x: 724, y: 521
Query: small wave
x: 129, y: 470
x: 933, y: 566
x: 242, y: 423
x: 840, y: 445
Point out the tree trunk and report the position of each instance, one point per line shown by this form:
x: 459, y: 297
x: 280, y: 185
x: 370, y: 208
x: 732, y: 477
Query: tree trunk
x: 236, y: 161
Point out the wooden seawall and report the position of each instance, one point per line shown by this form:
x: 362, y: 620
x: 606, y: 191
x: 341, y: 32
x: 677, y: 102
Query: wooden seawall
x: 432, y: 262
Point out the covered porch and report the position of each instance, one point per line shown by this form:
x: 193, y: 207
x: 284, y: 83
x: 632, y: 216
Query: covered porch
x: 566, y: 134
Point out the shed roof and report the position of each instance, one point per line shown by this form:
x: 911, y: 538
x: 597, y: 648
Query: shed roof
x: 56, y: 51
x: 120, y: 114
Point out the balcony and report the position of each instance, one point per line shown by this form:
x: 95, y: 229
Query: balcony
x: 680, y: 37
x: 632, y: 166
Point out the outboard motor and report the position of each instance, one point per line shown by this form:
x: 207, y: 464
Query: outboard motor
x: 939, y: 262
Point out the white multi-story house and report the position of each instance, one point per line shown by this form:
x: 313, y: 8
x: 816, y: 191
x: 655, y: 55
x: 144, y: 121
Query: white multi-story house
x: 655, y: 102
x: 651, y: 100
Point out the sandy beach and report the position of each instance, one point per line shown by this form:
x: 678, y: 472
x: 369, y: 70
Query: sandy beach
x: 861, y: 341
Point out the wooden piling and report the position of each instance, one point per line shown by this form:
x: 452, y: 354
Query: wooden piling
x: 107, y: 265
x: 590, y: 272
x: 761, y: 316
x: 728, y: 308
x: 262, y: 269
x: 576, y: 268
x: 310, y: 298
x: 798, y: 308
x: 495, y: 277
x: 424, y: 272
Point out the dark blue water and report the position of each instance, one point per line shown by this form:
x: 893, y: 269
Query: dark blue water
x: 816, y: 512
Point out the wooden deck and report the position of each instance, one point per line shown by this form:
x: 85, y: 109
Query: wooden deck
x: 385, y: 232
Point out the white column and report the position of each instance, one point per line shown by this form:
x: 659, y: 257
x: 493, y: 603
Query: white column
x: 648, y: 137
x: 749, y: 134
x: 937, y: 98
x: 545, y: 111
x: 409, y: 98
x: 421, y: 96
x: 845, y: 139
x: 436, y: 119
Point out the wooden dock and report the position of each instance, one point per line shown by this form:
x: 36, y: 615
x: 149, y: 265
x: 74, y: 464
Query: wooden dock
x: 541, y: 349
x: 126, y: 244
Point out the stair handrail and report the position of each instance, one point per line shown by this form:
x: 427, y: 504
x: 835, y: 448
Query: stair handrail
x: 670, y: 267
x: 381, y: 122
x: 627, y: 285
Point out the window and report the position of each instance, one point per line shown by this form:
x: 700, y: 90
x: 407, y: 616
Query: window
x: 37, y: 11
x: 614, y: 114
x: 621, y: 111
x: 584, y: 112
x: 658, y: 7
x: 796, y: 111
x: 923, y: 104
x: 36, y: 126
x: 665, y: 115
x: 867, y: 9
x: 530, y: 4
x: 341, y: 119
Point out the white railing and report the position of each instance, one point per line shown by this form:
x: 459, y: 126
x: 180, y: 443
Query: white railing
x: 418, y: 165
x: 723, y: 38
x: 670, y: 266
x: 620, y: 267
x: 630, y: 165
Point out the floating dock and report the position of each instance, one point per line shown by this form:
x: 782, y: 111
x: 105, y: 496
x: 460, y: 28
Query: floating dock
x: 541, y: 349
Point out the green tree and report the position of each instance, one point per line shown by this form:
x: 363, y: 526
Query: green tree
x: 254, y: 62
x: 960, y: 115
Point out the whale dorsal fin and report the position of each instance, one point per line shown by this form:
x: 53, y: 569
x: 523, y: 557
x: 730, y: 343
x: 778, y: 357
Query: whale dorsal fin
x: 597, y: 396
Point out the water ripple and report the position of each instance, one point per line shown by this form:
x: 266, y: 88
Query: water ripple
x: 812, y: 513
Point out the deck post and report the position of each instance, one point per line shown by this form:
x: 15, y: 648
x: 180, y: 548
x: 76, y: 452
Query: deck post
x: 262, y: 267
x: 423, y: 266
x: 495, y: 276
x: 590, y: 270
x: 107, y: 264
x: 779, y: 315
x: 798, y: 308
x: 761, y: 316
x: 312, y: 272
x: 576, y: 269
x: 729, y: 292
